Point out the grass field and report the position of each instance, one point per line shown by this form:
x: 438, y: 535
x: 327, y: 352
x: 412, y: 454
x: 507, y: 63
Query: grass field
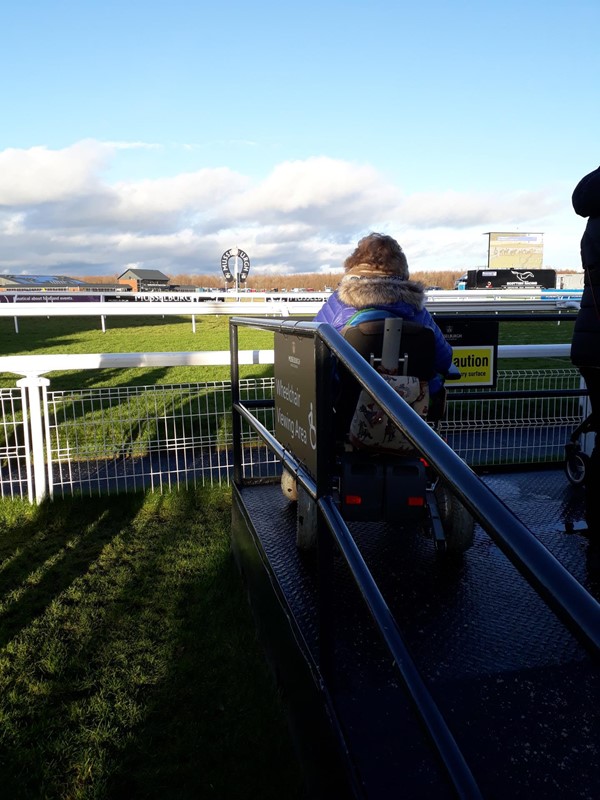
x: 128, y: 662
x: 66, y: 335
x: 174, y: 334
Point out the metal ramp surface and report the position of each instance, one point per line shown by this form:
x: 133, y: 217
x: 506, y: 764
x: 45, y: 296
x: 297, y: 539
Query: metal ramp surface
x: 518, y: 691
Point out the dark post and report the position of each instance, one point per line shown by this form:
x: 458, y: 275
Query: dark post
x: 236, y: 421
x: 324, y: 365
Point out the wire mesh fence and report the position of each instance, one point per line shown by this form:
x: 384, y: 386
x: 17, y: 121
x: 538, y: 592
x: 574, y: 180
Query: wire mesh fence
x: 152, y: 437
x: 15, y: 465
x: 123, y: 439
x: 517, y: 429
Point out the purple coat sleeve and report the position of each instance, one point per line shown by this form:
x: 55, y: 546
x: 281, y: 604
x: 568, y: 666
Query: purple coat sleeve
x: 325, y: 313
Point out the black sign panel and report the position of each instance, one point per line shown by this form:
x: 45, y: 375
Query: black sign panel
x: 296, y: 398
x: 474, y: 350
x: 511, y: 279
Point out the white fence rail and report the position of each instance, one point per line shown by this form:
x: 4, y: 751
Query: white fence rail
x: 275, y: 304
x: 43, y: 364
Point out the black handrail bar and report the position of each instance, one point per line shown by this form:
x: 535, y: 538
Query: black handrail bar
x: 447, y: 748
x: 435, y: 724
x: 498, y: 316
x: 563, y: 594
x: 443, y: 739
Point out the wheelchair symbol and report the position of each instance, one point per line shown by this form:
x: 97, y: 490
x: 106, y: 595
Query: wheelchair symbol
x: 312, y: 430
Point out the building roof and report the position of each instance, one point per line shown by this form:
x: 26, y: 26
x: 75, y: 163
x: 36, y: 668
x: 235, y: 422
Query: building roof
x: 145, y: 275
x: 38, y: 281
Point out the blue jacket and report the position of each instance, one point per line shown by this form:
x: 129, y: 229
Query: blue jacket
x: 337, y: 314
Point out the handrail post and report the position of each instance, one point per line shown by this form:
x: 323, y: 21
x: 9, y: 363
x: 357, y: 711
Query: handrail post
x: 32, y: 385
x: 325, y: 444
x: 236, y: 421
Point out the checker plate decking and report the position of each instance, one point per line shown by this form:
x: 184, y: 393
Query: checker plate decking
x: 518, y: 691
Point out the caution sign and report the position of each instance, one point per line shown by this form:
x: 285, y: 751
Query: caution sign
x: 475, y: 364
x: 474, y: 350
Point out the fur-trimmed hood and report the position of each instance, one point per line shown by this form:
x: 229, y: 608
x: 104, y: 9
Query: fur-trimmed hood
x: 403, y: 298
x: 361, y: 291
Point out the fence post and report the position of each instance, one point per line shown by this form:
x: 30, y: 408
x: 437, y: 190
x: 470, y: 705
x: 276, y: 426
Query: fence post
x: 33, y: 384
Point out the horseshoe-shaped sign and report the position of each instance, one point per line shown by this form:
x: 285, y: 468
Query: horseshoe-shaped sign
x: 232, y: 253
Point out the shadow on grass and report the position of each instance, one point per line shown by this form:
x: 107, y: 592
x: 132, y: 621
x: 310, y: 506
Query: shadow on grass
x: 138, y: 674
x: 42, y: 556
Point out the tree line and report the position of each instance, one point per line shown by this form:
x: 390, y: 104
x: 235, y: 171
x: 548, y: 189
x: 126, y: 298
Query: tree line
x: 317, y: 281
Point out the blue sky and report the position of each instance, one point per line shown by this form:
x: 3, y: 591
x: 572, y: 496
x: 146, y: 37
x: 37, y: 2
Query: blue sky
x: 161, y: 134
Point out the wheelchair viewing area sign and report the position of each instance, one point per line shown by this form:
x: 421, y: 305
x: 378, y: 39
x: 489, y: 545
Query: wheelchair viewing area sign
x: 296, y: 397
x: 474, y: 350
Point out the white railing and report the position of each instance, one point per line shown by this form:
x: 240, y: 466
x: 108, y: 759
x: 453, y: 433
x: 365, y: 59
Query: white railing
x: 277, y: 304
x: 43, y: 364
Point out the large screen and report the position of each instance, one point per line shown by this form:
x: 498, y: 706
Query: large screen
x: 510, y: 250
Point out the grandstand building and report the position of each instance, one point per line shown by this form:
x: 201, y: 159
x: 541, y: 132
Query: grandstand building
x: 144, y: 280
x: 54, y: 283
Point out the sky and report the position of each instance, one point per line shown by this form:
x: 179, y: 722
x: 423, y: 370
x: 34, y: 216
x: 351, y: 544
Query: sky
x: 161, y: 134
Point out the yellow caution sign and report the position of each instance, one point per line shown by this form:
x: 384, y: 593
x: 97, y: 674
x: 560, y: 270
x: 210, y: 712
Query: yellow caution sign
x: 475, y: 364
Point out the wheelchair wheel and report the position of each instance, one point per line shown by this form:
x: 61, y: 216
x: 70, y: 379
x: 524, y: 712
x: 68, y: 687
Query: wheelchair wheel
x: 458, y: 524
x: 289, y: 486
x: 576, y: 466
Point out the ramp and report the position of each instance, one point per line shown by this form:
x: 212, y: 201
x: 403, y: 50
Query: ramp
x: 518, y: 692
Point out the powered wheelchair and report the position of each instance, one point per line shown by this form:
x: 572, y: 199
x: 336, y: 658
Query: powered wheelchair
x: 378, y: 474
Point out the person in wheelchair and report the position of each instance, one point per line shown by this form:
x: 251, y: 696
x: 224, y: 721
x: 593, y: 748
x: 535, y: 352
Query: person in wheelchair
x: 375, y: 286
x: 382, y: 314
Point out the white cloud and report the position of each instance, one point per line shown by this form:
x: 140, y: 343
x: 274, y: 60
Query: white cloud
x: 40, y: 175
x: 60, y: 213
x: 191, y: 193
x: 452, y: 209
x: 320, y: 191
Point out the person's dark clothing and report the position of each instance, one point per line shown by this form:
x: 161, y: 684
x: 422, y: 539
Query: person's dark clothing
x: 585, y: 345
x: 586, y: 202
x: 591, y: 376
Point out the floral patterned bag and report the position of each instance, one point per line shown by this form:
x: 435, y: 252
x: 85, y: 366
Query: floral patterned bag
x: 372, y: 429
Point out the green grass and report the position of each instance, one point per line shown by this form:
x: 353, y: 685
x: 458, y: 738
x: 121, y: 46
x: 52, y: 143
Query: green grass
x: 67, y: 335
x: 128, y: 660
x: 174, y: 334
x: 535, y: 333
x: 108, y: 432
